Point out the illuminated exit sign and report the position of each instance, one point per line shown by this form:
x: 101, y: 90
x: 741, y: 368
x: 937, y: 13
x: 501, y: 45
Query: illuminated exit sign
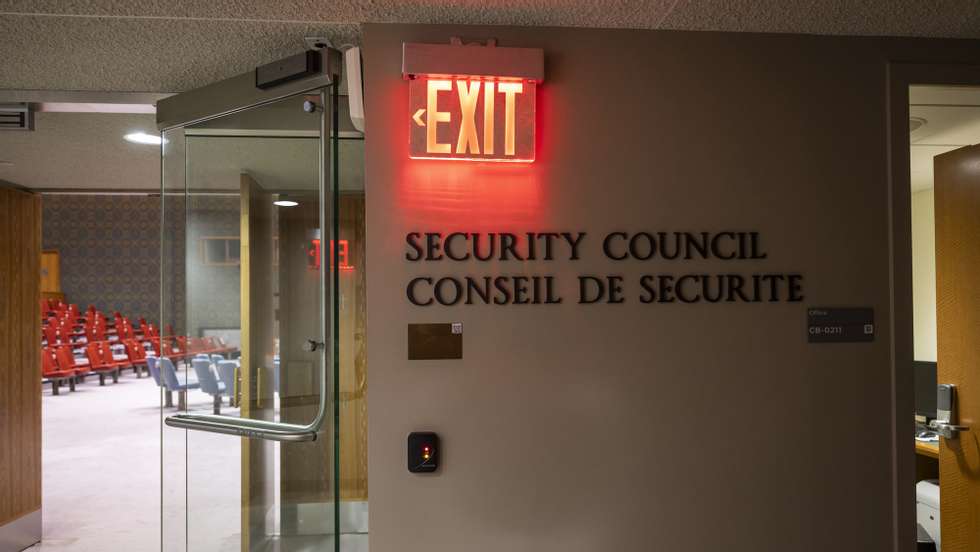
x: 471, y: 119
x: 472, y: 102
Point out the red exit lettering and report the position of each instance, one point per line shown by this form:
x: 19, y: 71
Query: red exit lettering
x: 313, y: 253
x: 473, y: 120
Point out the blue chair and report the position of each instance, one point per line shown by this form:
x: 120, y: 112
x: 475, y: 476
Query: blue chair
x: 227, y: 372
x: 151, y: 365
x: 154, y: 369
x: 216, y: 358
x: 172, y: 382
x: 209, y: 384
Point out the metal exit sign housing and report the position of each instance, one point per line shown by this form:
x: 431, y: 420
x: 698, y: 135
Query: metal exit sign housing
x: 472, y: 102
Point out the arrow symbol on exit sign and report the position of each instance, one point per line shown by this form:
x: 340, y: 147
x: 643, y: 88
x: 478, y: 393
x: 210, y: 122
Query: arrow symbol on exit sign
x: 418, y: 117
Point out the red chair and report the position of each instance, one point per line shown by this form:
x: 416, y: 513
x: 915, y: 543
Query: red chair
x: 155, y: 344
x: 51, y: 335
x: 125, y: 330
x: 95, y: 332
x: 101, y: 362
x: 55, y: 374
x: 192, y: 345
x: 66, y: 361
x: 64, y: 333
x: 177, y: 352
x: 136, y: 354
x: 116, y: 352
x: 221, y: 346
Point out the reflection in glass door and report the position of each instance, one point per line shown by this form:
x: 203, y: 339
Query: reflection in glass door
x: 248, y: 333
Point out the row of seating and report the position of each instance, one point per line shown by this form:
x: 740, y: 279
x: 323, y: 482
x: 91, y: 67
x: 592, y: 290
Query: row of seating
x: 215, y: 375
x: 106, y: 359
x: 60, y: 366
x: 64, y: 326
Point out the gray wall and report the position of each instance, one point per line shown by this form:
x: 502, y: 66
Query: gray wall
x: 213, y: 291
x: 646, y: 427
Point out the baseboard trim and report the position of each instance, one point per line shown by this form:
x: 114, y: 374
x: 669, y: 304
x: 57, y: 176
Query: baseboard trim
x: 21, y: 533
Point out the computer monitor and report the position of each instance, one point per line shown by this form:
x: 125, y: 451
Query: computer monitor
x: 925, y: 390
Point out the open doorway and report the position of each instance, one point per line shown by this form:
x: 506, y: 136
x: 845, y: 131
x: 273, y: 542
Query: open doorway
x: 92, y: 160
x: 944, y: 128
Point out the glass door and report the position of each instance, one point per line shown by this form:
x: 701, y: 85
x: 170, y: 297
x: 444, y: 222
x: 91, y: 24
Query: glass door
x: 247, y: 342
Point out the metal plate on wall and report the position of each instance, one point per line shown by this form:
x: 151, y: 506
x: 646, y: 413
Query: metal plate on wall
x: 435, y: 341
x: 840, y: 325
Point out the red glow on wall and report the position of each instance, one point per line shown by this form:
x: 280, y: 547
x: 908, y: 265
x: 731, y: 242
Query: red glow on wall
x: 343, y: 251
x: 472, y: 119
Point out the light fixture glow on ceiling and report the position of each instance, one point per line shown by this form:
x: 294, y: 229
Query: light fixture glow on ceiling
x: 143, y: 138
x: 285, y: 203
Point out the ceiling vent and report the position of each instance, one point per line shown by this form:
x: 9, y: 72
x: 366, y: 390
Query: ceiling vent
x: 18, y: 116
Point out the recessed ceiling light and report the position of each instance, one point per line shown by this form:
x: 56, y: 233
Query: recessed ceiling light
x: 285, y: 203
x: 915, y: 123
x: 143, y: 138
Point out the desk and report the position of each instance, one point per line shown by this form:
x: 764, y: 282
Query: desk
x: 926, y: 461
x: 930, y: 450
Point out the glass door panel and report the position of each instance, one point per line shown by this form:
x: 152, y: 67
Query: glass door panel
x: 247, y: 340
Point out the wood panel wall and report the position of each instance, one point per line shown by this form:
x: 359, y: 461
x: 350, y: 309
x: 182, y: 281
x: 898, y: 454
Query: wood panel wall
x: 353, y: 353
x: 20, y: 338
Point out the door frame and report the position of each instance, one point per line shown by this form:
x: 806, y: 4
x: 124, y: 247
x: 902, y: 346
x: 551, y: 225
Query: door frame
x: 899, y: 76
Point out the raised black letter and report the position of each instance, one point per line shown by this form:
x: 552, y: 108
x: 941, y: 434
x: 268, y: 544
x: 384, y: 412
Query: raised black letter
x: 412, y: 238
x: 410, y: 291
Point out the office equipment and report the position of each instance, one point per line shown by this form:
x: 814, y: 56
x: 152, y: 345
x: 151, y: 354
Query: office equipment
x: 925, y: 391
x: 927, y: 508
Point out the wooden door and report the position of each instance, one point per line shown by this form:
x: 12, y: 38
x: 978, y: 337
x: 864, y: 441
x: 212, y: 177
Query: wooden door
x: 957, y: 181
x: 20, y: 366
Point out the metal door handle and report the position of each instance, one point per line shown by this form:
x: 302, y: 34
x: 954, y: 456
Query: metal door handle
x: 244, y: 427
x: 947, y: 430
x: 312, y: 345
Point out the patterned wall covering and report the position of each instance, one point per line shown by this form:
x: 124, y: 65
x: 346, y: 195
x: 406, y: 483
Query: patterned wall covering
x: 110, y: 256
x: 109, y: 248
